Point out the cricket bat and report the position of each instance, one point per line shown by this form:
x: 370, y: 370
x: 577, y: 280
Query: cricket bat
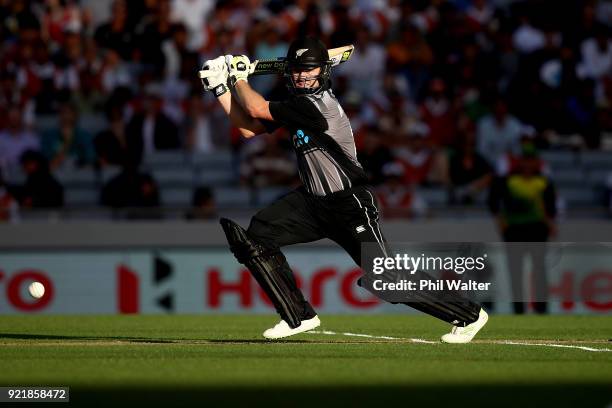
x: 277, y: 66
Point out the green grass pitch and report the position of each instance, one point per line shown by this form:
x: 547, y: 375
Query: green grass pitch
x: 213, y: 361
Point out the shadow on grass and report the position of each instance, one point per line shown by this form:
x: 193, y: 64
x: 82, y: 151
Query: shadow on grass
x: 547, y: 395
x: 20, y: 336
x: 131, y: 339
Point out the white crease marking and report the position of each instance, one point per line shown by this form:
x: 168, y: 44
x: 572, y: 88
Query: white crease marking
x: 508, y: 342
x: 369, y: 336
x: 514, y: 343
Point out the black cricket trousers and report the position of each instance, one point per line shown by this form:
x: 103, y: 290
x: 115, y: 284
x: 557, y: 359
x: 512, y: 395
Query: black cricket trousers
x: 347, y: 217
x: 350, y: 218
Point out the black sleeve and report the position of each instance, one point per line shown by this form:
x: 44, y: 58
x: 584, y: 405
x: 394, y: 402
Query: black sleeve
x: 298, y: 112
x: 270, y: 125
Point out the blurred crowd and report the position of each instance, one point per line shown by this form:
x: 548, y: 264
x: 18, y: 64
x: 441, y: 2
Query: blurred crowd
x: 446, y: 93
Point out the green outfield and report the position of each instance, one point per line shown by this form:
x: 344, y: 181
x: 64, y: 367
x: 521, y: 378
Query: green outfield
x: 212, y: 361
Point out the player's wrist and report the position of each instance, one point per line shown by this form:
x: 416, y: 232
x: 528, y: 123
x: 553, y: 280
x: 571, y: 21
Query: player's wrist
x: 219, y: 90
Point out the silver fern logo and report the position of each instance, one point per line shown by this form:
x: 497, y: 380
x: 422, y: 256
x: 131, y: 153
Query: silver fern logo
x: 301, y: 51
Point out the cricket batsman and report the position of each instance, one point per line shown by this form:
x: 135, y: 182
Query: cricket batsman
x: 334, y: 201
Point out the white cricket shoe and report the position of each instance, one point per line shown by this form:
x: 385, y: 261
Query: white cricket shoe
x: 282, y: 329
x: 459, y: 335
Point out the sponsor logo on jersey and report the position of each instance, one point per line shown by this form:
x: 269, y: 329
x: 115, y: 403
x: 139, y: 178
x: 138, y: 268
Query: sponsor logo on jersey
x: 300, y: 139
x: 360, y: 228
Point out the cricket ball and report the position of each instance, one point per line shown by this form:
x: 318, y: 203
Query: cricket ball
x: 36, y: 289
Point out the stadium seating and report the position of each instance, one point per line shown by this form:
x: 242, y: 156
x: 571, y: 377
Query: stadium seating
x: 579, y: 177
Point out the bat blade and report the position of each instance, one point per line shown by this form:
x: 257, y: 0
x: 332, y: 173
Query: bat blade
x: 341, y: 54
x: 269, y: 66
x: 277, y: 66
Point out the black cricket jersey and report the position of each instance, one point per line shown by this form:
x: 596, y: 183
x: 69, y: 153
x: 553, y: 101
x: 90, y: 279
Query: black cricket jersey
x: 323, y: 142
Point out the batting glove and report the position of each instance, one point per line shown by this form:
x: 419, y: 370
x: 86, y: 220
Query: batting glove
x: 239, y: 68
x: 214, y: 76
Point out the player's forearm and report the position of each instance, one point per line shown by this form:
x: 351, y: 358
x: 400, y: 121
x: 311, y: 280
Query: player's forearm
x: 248, y: 126
x: 253, y: 103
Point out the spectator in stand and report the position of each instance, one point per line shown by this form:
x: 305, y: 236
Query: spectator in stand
x: 196, y: 132
x: 398, y: 199
x: 267, y: 162
x: 153, y: 33
x: 9, y: 208
x: 508, y: 60
x: 414, y: 154
x: 498, y: 134
x: 41, y: 189
x: 68, y: 142
x: 398, y: 114
x: 151, y: 130
x: 366, y: 70
x: 315, y: 22
x: 111, y: 144
x: 373, y: 154
x: 343, y: 21
x: 470, y: 174
x: 438, y: 113
x: 132, y: 190
x: 177, y: 55
x: 116, y: 34
x: 203, y: 206
x: 270, y: 46
x: 16, y: 89
x: 41, y: 80
x: 596, y: 55
x: 9, y: 93
x: 583, y: 25
x: 191, y: 14
x: 411, y: 56
x: 15, y: 139
x: 114, y: 73
x: 221, y: 42
x: 558, y: 74
x: 581, y: 111
x: 62, y: 17
x: 480, y: 13
x: 66, y: 75
x: 528, y: 38
x: 89, y: 99
x: 20, y: 21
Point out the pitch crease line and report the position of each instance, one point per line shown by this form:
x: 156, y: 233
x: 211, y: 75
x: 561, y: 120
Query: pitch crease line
x: 414, y: 340
x: 369, y: 336
x: 514, y: 343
